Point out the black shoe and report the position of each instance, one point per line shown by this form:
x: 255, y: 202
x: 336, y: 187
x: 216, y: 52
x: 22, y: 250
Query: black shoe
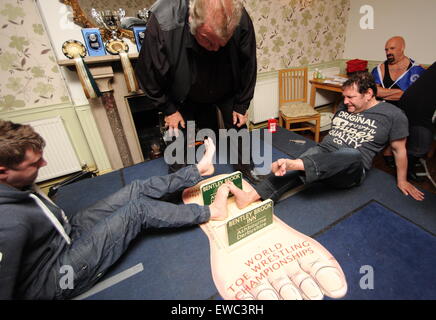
x: 389, y: 161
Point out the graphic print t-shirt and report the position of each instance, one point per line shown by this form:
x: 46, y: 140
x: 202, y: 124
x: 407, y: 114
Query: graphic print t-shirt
x: 368, y: 131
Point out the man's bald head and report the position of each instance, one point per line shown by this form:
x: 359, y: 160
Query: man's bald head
x: 394, y: 49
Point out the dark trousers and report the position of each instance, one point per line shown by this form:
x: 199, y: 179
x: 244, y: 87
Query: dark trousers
x: 342, y: 168
x: 419, y: 104
x: 101, y: 233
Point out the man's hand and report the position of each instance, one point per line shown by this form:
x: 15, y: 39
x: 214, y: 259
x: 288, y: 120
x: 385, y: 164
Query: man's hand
x: 409, y: 189
x: 172, y: 122
x: 239, y: 119
x: 399, y: 150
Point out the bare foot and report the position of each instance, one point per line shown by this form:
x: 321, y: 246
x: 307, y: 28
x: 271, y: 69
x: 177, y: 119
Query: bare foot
x: 205, y: 165
x: 243, y: 198
x: 218, y: 208
x: 279, y: 167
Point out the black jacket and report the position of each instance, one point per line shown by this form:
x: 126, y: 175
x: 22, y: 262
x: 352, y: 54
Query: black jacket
x: 164, y: 70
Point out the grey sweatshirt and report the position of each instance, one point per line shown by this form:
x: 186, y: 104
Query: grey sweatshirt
x: 33, y: 233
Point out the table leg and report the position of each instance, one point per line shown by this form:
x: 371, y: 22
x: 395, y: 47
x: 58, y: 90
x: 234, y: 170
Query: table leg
x: 312, y: 95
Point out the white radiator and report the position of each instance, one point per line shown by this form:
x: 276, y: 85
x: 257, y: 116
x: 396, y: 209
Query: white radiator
x: 265, y: 100
x: 59, y: 152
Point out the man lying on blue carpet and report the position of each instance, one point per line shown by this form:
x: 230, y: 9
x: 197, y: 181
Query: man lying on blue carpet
x: 39, y: 245
x: 360, y: 129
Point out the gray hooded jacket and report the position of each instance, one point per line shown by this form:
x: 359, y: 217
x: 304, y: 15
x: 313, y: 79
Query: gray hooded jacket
x: 33, y: 233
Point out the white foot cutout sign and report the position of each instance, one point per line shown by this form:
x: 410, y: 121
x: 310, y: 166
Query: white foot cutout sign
x: 255, y: 255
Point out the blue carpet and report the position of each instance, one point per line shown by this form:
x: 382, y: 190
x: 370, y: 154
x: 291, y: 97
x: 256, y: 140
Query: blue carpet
x: 176, y: 262
x: 281, y: 142
x: 316, y: 207
x: 401, y: 255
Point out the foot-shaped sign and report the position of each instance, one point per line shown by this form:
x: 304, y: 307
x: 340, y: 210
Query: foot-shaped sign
x: 253, y: 258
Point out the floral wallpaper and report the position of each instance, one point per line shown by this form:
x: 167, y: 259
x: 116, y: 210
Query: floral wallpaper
x: 288, y: 32
x: 29, y: 74
x: 289, y: 35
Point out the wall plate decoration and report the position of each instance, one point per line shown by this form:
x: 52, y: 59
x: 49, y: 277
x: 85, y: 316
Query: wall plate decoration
x: 139, y: 36
x: 93, y: 41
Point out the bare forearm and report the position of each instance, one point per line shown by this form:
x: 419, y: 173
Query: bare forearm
x: 401, y: 164
x: 400, y: 154
x: 389, y: 94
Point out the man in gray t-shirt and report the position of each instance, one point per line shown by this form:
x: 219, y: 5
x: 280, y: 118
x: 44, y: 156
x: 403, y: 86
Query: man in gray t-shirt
x: 368, y: 131
x: 361, y: 128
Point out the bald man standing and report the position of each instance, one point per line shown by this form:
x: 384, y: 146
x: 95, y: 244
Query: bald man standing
x: 397, y: 73
x: 393, y: 77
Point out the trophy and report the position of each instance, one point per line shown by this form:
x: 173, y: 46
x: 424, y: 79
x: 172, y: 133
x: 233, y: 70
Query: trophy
x: 143, y: 14
x: 111, y: 21
x: 76, y: 50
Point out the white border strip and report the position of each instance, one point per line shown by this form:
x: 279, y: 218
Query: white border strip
x: 111, y: 281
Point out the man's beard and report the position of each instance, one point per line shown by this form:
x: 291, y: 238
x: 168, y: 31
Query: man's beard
x: 390, y: 58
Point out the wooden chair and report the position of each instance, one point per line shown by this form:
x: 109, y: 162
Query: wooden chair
x: 293, y: 106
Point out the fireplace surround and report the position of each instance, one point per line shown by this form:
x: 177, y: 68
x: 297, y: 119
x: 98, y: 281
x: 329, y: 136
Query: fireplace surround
x: 127, y: 122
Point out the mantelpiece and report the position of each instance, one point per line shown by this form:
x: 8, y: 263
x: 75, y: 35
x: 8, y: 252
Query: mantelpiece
x: 90, y: 61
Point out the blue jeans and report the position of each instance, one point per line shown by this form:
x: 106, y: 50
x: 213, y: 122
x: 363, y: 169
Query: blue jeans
x: 101, y: 233
x: 342, y: 168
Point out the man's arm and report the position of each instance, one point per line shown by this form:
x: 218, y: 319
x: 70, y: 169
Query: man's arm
x: 153, y: 67
x: 153, y: 72
x: 400, y: 154
x: 385, y: 93
x: 248, y: 68
x: 389, y: 94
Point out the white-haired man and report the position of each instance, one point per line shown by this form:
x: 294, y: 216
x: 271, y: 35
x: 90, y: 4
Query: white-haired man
x: 198, y: 56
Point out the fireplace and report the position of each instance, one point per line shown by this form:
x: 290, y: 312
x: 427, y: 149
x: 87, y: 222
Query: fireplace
x: 127, y: 122
x: 148, y: 124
